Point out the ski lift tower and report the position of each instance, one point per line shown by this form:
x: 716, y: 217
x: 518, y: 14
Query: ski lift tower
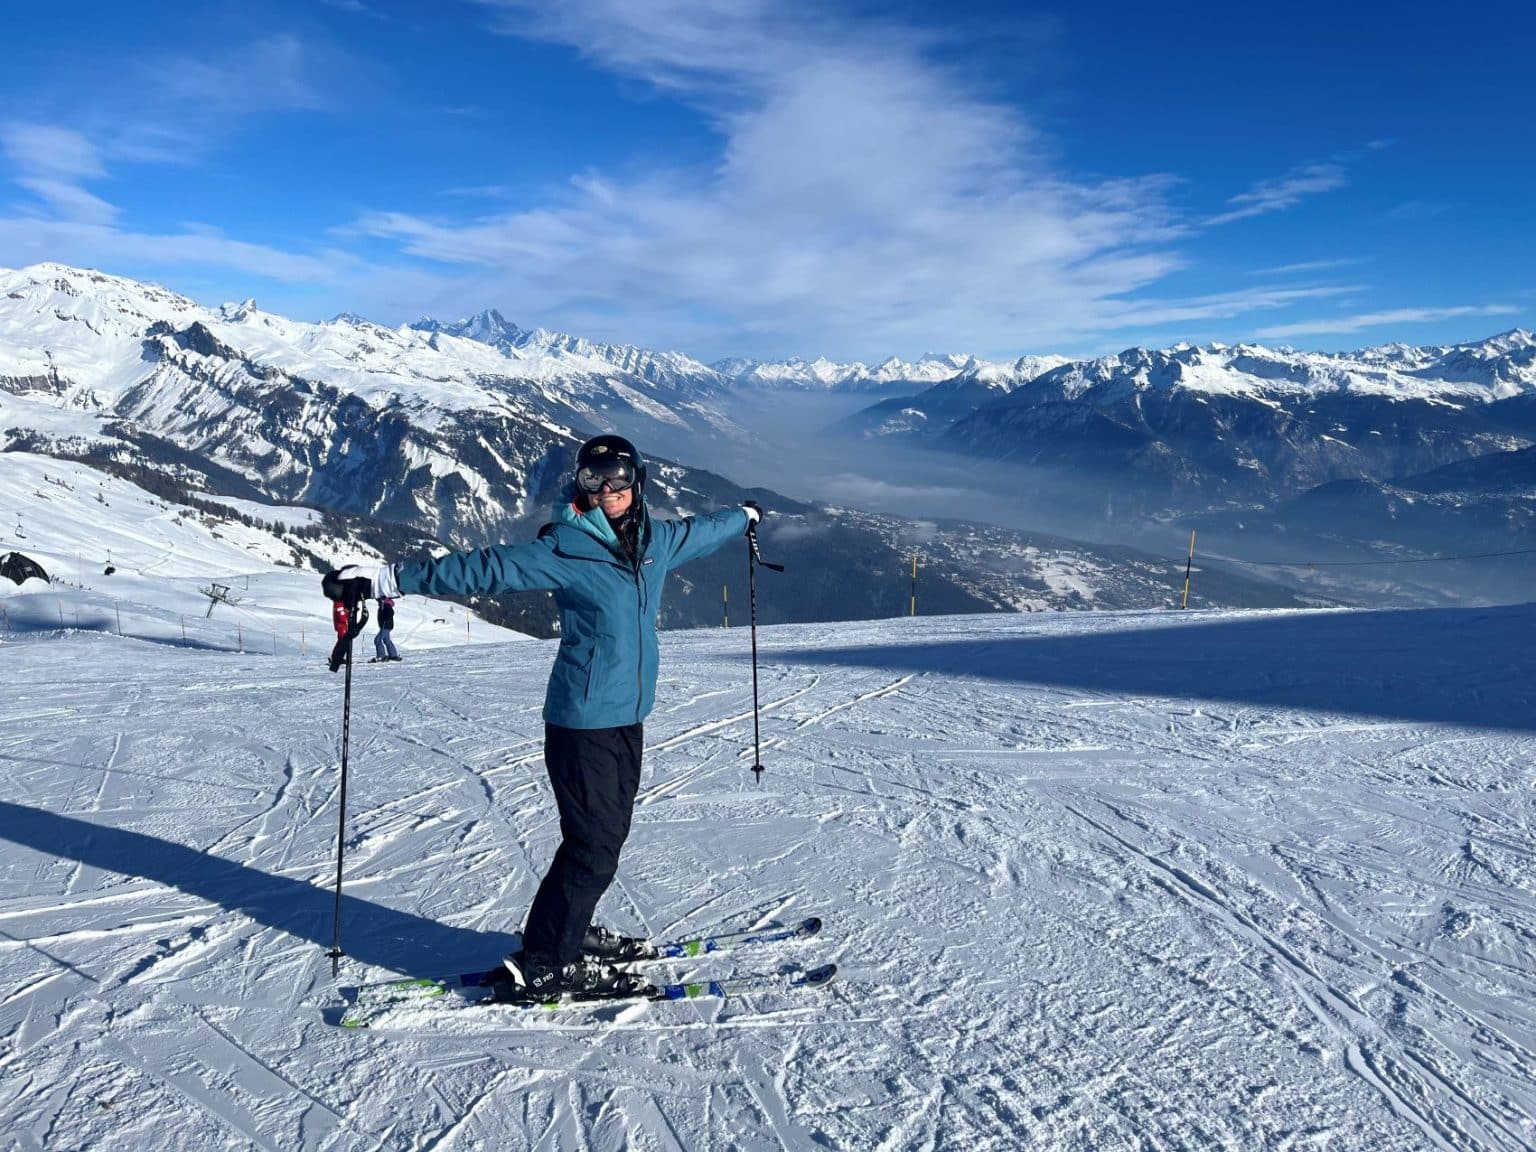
x: 218, y: 594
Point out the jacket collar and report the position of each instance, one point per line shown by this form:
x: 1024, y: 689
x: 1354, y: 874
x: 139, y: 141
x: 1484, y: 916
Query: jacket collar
x: 593, y: 523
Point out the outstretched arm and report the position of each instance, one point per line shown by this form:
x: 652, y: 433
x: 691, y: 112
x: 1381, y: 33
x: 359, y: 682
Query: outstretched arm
x: 504, y: 568
x: 695, y: 536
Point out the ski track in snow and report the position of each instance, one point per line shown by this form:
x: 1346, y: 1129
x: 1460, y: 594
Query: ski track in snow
x: 1066, y: 916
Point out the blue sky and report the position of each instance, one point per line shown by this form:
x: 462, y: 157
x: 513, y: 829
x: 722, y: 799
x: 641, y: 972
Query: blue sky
x: 766, y: 178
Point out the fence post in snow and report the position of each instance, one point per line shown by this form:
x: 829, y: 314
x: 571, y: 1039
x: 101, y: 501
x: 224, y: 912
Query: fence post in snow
x: 118, y: 608
x: 725, y: 605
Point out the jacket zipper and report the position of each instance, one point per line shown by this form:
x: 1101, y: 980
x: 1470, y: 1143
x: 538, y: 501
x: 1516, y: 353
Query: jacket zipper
x: 639, y: 645
x: 634, y: 573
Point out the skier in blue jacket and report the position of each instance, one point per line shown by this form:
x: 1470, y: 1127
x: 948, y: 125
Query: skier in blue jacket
x: 606, y: 561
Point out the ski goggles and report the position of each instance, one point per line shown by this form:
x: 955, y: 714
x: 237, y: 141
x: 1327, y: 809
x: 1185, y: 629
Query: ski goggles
x: 618, y: 475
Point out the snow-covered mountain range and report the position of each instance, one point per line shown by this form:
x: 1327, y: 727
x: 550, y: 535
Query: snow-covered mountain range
x: 1486, y: 371
x: 1253, y: 423
x: 1500, y: 368
x: 826, y: 375
x: 416, y: 426
x: 978, y: 383
x: 454, y: 439
x: 463, y: 431
x: 668, y: 371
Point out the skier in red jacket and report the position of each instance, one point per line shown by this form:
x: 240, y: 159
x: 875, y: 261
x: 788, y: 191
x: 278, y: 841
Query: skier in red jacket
x: 346, y: 631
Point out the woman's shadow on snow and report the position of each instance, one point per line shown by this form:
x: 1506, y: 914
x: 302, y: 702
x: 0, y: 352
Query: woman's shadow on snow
x: 371, y: 933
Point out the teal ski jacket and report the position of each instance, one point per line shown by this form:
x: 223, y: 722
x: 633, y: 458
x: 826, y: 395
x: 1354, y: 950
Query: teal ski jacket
x: 605, y: 671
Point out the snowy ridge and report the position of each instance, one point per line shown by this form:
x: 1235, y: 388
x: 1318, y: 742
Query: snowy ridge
x: 1000, y: 377
x: 85, y: 326
x: 670, y: 370
x: 463, y: 431
x: 824, y: 374
x: 89, y: 327
x: 1251, y: 423
x: 1171, y: 880
x: 1495, y: 369
x: 445, y: 432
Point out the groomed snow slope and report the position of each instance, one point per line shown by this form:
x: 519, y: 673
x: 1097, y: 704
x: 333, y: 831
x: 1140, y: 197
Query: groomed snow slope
x: 77, y: 521
x: 1139, y: 881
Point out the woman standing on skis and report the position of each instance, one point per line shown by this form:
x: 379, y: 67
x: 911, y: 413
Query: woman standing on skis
x: 606, y: 561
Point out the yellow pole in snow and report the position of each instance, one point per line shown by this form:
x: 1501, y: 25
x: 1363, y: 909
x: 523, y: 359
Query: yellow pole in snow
x: 1188, y: 567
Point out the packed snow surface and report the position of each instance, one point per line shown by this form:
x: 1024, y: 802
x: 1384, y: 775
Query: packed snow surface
x: 1094, y: 881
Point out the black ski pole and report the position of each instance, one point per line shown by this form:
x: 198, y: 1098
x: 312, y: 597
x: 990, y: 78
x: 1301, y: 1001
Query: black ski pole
x: 341, y: 834
x: 754, y: 558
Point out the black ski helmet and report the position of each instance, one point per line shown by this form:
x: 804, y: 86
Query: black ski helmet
x: 602, y: 451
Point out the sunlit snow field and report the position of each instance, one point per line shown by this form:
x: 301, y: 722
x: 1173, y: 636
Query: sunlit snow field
x: 1123, y: 881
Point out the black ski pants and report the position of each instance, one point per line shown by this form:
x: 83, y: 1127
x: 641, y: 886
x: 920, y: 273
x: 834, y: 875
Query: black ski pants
x: 595, y: 773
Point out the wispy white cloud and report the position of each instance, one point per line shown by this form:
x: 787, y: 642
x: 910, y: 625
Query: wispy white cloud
x: 695, y: 45
x: 27, y: 240
x: 864, y: 197
x: 176, y: 108
x: 480, y: 191
x: 1218, y: 306
x: 45, y: 149
x: 1282, y: 192
x: 53, y: 163
x: 69, y: 223
x: 276, y: 72
x: 1363, y: 320
x: 1413, y: 210
x: 168, y: 111
x: 1310, y: 266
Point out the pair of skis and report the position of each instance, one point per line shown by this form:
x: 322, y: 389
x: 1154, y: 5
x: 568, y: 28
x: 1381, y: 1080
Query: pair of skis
x: 483, y: 987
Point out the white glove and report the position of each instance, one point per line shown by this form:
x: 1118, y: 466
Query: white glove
x: 754, y: 512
